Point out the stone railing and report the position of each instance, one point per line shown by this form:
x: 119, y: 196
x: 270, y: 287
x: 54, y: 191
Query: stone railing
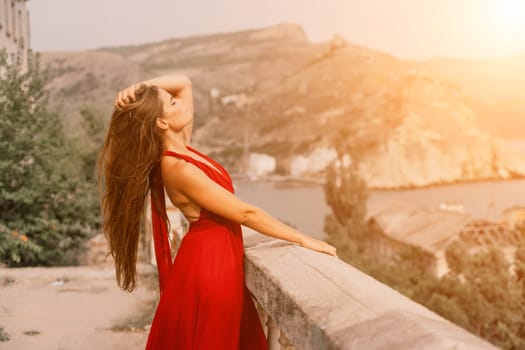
x: 310, y: 300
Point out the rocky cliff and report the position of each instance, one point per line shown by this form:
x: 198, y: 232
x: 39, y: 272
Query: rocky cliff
x: 270, y: 91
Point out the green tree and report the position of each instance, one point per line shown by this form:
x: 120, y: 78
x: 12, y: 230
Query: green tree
x: 519, y: 258
x: 488, y: 292
x: 346, y: 194
x: 93, y: 128
x: 88, y: 146
x: 3, y: 334
x: 46, y: 204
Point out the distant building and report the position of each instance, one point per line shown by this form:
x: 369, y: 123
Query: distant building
x: 514, y: 216
x: 457, y: 207
x: 260, y: 165
x: 479, y: 233
x: 313, y: 163
x: 14, y: 27
x: 396, y: 226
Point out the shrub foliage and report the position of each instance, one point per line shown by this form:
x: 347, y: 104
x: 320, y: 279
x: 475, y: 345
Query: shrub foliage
x: 47, y: 196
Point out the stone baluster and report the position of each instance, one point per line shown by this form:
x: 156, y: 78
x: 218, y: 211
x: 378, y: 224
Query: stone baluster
x: 274, y: 333
x: 285, y: 342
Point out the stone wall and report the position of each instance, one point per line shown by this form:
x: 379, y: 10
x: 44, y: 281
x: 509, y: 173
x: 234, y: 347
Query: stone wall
x: 14, y: 27
x: 320, y: 302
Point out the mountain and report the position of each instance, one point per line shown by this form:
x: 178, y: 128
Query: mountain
x: 495, y: 89
x: 272, y: 91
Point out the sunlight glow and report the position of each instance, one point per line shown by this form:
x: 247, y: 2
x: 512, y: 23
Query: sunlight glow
x: 514, y: 11
x: 504, y: 26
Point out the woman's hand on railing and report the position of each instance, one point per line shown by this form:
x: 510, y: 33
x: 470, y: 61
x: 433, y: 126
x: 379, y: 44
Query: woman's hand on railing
x: 318, y: 245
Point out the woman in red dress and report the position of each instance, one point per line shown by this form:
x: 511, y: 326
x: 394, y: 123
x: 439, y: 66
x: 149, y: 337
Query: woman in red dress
x: 204, y: 302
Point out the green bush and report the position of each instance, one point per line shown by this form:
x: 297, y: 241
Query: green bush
x: 3, y: 334
x: 47, y: 208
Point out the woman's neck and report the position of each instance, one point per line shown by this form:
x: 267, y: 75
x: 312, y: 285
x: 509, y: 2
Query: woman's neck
x: 174, y: 141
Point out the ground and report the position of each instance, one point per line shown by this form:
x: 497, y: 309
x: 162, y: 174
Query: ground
x: 74, y: 308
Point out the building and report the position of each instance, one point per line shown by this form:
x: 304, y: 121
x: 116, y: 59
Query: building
x: 14, y: 27
x: 514, y: 216
x: 396, y: 226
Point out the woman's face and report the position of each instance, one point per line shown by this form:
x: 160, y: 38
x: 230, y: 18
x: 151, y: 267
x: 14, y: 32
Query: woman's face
x: 175, y: 112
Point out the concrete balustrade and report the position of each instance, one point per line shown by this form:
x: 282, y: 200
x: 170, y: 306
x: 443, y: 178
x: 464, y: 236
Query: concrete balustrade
x: 310, y: 300
x: 320, y: 302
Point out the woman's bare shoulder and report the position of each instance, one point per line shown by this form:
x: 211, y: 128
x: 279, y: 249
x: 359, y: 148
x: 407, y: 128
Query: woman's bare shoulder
x: 173, y: 165
x: 179, y: 173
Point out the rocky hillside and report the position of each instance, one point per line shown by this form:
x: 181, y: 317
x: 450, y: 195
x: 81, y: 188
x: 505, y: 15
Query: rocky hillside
x: 273, y: 92
x: 87, y: 79
x: 495, y: 89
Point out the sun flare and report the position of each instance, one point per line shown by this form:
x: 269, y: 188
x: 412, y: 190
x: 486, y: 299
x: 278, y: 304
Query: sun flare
x: 511, y: 17
x: 503, y: 26
x: 514, y: 11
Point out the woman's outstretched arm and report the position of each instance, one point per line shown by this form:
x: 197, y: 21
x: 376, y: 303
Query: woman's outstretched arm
x: 178, y: 85
x: 183, y: 177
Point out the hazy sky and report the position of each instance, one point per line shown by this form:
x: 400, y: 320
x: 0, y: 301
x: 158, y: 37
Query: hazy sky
x: 404, y: 28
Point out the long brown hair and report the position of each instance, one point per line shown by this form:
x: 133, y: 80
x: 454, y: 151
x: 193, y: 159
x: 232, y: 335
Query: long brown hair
x: 128, y: 163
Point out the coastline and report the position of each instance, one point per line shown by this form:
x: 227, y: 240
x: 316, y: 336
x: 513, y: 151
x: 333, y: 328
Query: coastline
x: 320, y: 180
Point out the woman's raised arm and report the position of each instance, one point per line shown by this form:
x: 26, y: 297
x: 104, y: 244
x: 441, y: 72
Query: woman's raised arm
x: 178, y: 85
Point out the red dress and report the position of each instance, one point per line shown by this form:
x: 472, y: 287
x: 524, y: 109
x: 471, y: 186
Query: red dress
x: 204, y: 302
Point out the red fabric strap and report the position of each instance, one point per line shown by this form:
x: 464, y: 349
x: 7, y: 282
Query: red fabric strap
x: 160, y: 234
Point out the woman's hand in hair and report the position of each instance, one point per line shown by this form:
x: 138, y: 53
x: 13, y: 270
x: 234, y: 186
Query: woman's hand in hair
x: 126, y: 96
x: 318, y: 245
